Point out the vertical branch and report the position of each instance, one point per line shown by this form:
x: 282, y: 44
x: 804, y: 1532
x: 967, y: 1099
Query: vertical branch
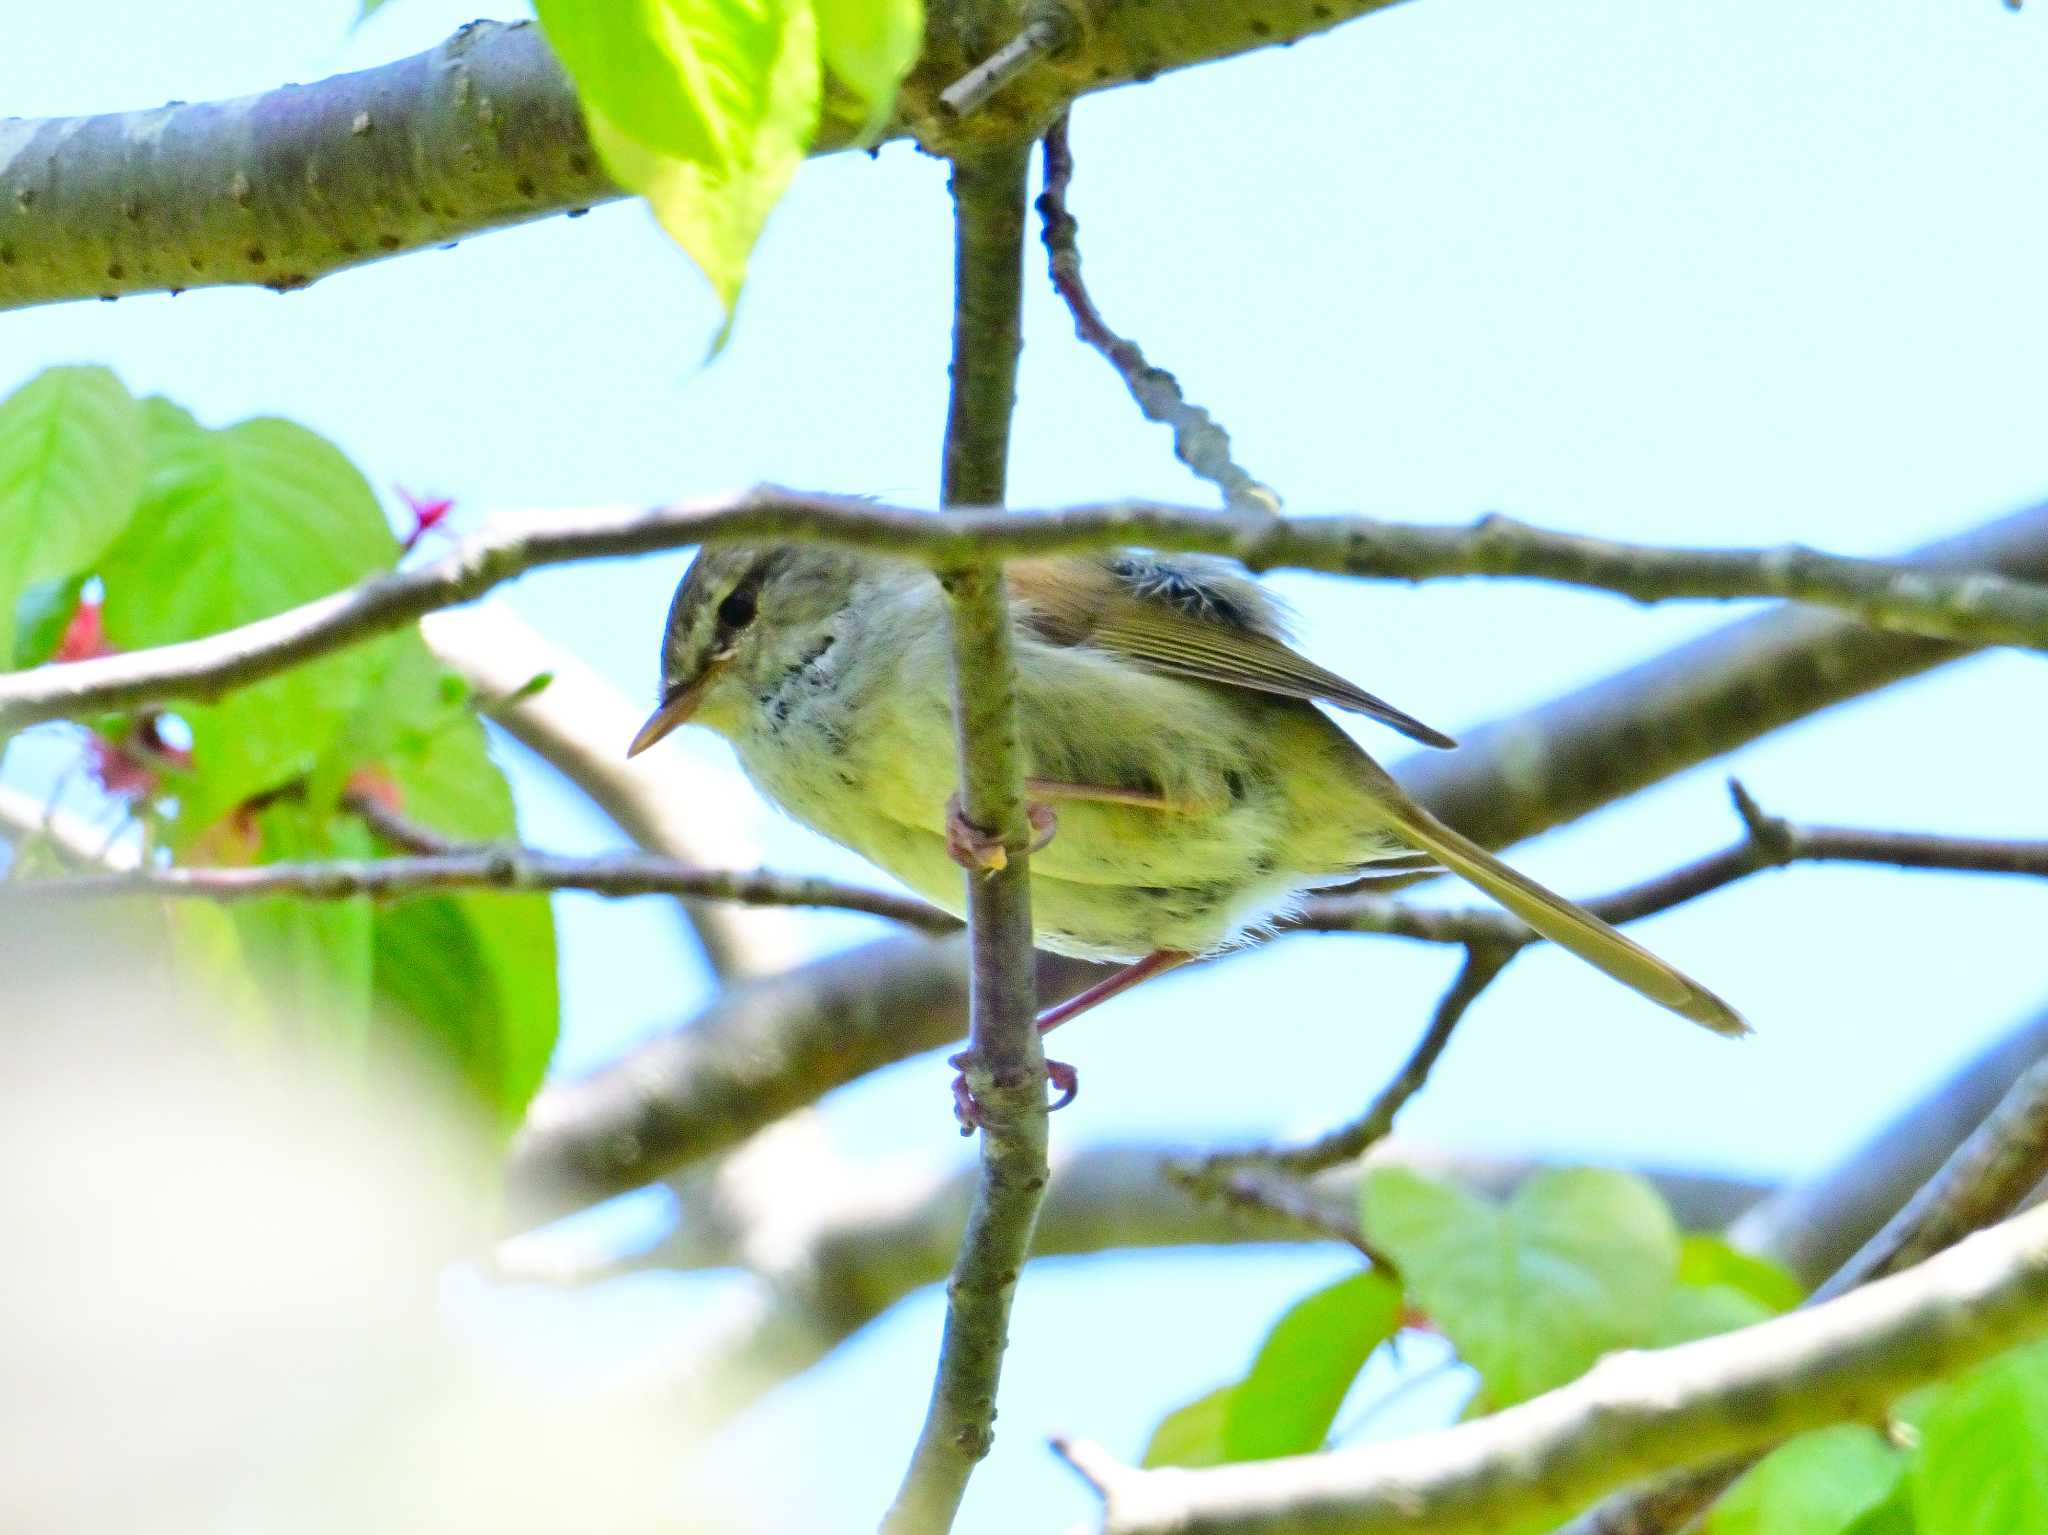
x: 1004, y: 1064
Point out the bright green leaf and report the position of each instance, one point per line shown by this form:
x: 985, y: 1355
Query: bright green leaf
x: 1532, y: 1291
x: 236, y: 525
x: 1286, y: 1405
x: 1705, y: 1259
x: 1702, y: 1310
x: 869, y: 46
x: 1894, y: 1516
x: 715, y: 204
x: 1192, y: 1435
x: 1819, y: 1484
x: 1983, y: 1462
x: 70, y: 470
x: 311, y: 959
x: 475, y: 972
x: 687, y: 79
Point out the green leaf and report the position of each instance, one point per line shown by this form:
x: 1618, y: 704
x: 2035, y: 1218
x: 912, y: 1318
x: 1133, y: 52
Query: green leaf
x: 475, y: 972
x: 233, y: 526
x: 1819, y: 1484
x: 714, y: 199
x: 1286, y: 1405
x: 1192, y: 1435
x: 41, y: 615
x: 1694, y: 1311
x: 1983, y: 1462
x: 311, y: 960
x: 869, y: 46
x: 1705, y: 1259
x: 683, y: 77
x: 1532, y: 1291
x: 1894, y: 1516
x: 70, y: 470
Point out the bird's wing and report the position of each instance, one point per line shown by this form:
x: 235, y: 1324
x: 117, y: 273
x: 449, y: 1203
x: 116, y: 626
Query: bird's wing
x: 1191, y: 617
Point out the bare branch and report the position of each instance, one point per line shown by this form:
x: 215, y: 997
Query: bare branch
x: 1198, y: 440
x: 1975, y: 607
x: 848, y: 1243
x: 1350, y: 1141
x: 1984, y: 1180
x: 1004, y: 1064
x: 481, y: 132
x: 1632, y: 1413
x: 1816, y: 1227
x: 505, y: 867
x: 1771, y: 843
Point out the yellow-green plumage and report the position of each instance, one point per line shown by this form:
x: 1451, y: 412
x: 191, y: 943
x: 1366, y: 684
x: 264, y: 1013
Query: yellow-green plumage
x: 1167, y: 680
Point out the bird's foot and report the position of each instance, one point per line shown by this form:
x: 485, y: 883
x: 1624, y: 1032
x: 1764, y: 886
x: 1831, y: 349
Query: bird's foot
x: 1065, y: 1080
x: 980, y: 851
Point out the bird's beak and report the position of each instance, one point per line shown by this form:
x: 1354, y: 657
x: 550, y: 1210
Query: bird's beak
x: 675, y: 710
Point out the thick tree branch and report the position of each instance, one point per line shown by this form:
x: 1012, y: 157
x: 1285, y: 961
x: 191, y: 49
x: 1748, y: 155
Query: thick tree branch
x: 1816, y: 1227
x: 1602, y: 742
x: 1983, y: 1181
x: 1003, y: 1065
x: 665, y: 801
x: 1971, y: 606
x: 1631, y: 1414
x: 481, y: 132
x: 834, y: 1247
x: 1199, y: 441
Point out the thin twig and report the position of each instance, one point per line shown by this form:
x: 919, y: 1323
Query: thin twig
x: 1984, y: 1180
x: 1199, y: 441
x: 1770, y: 843
x: 490, y: 867
x: 1004, y: 1064
x: 1220, y: 1174
x: 1051, y: 30
x: 1352, y: 1140
x: 1632, y: 1413
x: 1972, y: 607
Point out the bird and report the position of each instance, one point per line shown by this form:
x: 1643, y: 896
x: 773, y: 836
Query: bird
x: 1184, y: 787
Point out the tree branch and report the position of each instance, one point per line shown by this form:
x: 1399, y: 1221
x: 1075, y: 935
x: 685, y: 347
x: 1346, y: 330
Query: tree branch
x: 1199, y: 441
x: 1984, y: 1180
x: 505, y: 867
x: 1004, y: 1064
x: 1631, y: 1414
x: 1770, y: 843
x: 848, y: 1243
x: 480, y: 132
x: 663, y: 800
x: 1816, y: 1227
x: 1972, y: 606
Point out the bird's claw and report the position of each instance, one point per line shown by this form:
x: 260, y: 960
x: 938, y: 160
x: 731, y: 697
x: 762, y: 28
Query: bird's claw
x: 1065, y: 1081
x: 980, y: 851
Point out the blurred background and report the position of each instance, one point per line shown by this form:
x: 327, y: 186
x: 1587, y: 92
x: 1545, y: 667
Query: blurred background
x: 1737, y: 274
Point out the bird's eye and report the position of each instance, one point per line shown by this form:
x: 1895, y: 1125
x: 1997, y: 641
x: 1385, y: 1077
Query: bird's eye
x: 737, y: 611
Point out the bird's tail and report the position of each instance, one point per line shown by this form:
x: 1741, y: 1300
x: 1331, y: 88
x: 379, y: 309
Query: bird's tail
x: 1564, y: 923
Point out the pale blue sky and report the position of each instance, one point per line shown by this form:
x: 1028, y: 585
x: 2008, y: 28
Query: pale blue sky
x: 1730, y: 273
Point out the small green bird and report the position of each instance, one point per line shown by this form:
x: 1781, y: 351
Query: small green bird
x: 1165, y: 722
